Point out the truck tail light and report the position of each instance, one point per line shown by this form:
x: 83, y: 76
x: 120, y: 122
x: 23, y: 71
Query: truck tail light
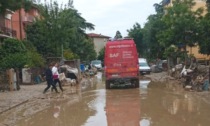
x: 112, y: 70
x: 132, y: 69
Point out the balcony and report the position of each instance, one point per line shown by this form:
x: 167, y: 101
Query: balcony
x: 8, y: 32
x: 28, y: 19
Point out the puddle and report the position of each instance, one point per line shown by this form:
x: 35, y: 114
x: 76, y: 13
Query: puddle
x: 152, y: 104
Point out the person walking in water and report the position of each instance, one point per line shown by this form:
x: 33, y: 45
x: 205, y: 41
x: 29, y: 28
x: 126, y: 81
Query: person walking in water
x: 49, y: 79
x: 55, y: 76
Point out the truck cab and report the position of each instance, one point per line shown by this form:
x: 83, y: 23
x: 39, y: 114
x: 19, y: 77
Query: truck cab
x: 121, y: 63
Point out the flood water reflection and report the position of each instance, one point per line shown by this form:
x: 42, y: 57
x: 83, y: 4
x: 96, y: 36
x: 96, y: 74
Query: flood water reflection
x: 153, y: 104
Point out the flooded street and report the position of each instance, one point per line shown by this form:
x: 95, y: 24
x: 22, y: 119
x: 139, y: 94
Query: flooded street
x: 90, y: 104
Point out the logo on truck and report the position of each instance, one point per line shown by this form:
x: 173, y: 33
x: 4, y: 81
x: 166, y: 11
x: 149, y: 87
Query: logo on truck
x: 120, y: 46
x: 128, y: 54
x: 114, y: 55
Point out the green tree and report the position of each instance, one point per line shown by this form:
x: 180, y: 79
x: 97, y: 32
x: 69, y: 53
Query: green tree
x: 61, y: 27
x: 101, y: 54
x: 14, y: 5
x: 17, y: 60
x: 69, y: 55
x: 38, y: 34
x: 11, y: 46
x: 14, y: 54
x: 204, y: 42
x: 208, y: 4
x: 150, y: 32
x: 181, y: 28
x: 137, y: 34
x: 182, y: 24
x: 146, y: 38
x: 118, y: 35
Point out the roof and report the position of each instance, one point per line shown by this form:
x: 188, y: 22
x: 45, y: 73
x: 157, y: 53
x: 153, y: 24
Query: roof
x: 93, y: 35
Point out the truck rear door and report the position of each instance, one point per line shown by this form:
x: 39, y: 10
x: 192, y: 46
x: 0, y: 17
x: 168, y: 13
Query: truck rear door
x: 121, y: 59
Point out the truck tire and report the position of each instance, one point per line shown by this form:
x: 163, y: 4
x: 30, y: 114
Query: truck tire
x: 137, y: 83
x: 107, y: 84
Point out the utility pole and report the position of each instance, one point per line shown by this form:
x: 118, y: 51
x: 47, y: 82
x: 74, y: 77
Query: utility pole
x: 20, y: 23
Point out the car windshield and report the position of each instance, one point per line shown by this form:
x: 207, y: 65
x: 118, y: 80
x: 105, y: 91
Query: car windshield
x: 96, y: 62
x: 143, y: 64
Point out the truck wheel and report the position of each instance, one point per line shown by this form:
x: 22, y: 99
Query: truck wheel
x: 107, y: 85
x: 137, y: 83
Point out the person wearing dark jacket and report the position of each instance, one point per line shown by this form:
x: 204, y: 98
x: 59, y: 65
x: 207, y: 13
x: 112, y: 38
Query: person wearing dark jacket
x: 49, y: 79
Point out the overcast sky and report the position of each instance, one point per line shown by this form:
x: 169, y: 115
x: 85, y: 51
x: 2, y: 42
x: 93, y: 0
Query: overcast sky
x: 108, y: 16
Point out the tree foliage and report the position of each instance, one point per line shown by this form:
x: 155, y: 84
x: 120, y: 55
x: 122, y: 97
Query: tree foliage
x: 101, y: 54
x: 204, y: 38
x: 150, y: 31
x: 146, y: 38
x: 14, y: 54
x: 69, y: 55
x: 118, y: 35
x: 14, y: 5
x: 61, y: 26
x: 175, y: 26
x: 11, y: 46
x: 181, y: 24
x: 137, y: 34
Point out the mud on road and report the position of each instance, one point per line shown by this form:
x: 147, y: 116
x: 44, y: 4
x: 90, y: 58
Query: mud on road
x: 175, y: 84
x: 24, y: 104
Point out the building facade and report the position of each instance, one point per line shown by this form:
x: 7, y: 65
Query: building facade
x: 99, y: 41
x: 6, y: 30
x: 13, y: 24
x: 21, y: 18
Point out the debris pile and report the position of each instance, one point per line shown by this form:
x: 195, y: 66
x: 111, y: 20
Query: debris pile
x: 196, y: 79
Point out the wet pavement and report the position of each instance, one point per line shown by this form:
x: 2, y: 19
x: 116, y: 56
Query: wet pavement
x: 90, y: 104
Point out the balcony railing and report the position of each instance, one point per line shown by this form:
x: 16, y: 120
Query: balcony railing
x: 7, y: 31
x: 28, y: 19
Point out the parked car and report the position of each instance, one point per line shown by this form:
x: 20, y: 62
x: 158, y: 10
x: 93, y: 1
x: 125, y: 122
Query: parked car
x: 160, y: 66
x: 97, y: 64
x: 144, y: 68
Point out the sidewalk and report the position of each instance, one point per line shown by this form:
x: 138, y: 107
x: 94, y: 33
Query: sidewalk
x: 11, y: 99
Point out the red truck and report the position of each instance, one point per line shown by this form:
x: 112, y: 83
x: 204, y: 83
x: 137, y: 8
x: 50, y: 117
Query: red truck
x: 121, y: 63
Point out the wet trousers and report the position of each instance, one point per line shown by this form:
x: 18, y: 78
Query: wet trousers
x: 49, y: 84
x: 59, y: 83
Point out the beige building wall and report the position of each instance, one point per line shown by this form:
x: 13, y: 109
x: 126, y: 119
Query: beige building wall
x: 195, y: 50
x: 200, y: 4
x: 99, y: 43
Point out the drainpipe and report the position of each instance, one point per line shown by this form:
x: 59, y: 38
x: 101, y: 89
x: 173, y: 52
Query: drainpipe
x: 20, y: 23
x: 11, y: 21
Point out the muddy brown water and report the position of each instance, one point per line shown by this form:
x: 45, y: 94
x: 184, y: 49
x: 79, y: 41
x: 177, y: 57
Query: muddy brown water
x: 153, y: 104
